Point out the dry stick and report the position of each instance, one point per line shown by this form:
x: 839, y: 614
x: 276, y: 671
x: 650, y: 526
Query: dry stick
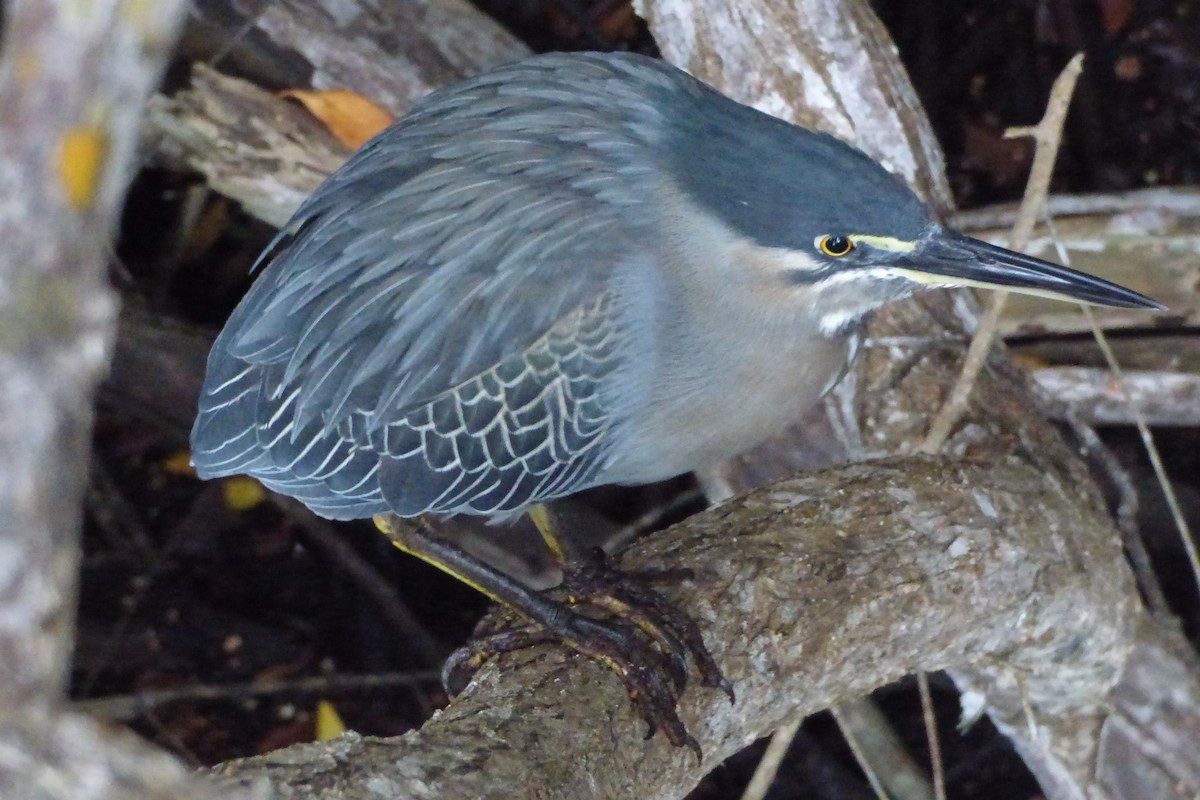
x: 859, y: 755
x: 1047, y: 135
x: 931, y: 732
x: 128, y: 706
x: 1139, y: 420
x: 878, y: 749
x: 334, y: 545
x: 772, y: 758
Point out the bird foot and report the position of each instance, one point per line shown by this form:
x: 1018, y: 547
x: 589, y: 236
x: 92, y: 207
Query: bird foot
x: 618, y: 619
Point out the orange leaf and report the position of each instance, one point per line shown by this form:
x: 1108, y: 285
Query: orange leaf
x: 350, y: 117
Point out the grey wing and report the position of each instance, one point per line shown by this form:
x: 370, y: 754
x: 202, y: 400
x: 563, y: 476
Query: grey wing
x: 531, y: 428
x: 431, y: 280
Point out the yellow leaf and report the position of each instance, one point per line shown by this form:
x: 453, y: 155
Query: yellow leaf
x: 243, y: 493
x: 329, y: 722
x: 350, y: 117
x: 81, y: 155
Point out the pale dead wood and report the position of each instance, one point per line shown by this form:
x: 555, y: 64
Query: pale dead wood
x: 1182, y: 201
x: 773, y: 757
x: 392, y: 52
x: 249, y: 144
x: 73, y: 81
x: 268, y: 154
x: 1177, y: 353
x: 1093, y: 396
x: 891, y: 771
x: 1162, y: 378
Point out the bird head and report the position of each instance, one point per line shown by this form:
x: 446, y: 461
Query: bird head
x: 834, y: 224
x: 851, y: 273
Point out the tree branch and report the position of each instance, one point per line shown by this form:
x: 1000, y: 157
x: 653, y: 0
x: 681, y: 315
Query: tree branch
x: 73, y: 82
x: 811, y: 590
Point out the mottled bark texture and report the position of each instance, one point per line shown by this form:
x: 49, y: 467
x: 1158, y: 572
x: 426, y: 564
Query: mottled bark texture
x: 811, y: 590
x: 73, y: 80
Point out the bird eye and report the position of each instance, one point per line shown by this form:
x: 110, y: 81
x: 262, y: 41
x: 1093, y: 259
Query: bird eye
x: 835, y: 245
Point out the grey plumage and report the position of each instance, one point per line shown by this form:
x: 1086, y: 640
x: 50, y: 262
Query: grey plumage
x: 573, y: 270
x: 409, y: 285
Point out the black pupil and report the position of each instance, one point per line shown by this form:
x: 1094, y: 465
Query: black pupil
x: 837, y: 245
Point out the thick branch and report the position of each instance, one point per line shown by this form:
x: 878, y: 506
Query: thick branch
x: 71, y: 91
x: 817, y: 588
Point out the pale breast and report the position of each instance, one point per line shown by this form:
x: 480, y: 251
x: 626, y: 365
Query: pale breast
x: 729, y: 351
x: 742, y: 401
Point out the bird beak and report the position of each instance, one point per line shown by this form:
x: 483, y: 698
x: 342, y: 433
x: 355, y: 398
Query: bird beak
x: 951, y: 259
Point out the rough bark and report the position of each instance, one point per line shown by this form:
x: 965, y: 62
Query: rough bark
x: 811, y: 590
x: 73, y: 80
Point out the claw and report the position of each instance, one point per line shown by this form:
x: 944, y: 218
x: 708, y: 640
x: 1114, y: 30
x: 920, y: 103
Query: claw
x: 464, y: 662
x: 642, y: 637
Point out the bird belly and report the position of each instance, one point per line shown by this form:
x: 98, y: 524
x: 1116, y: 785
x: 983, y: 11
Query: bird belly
x: 726, y: 412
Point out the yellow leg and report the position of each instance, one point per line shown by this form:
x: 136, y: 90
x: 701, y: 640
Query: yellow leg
x: 402, y: 537
x: 645, y: 640
x: 545, y: 523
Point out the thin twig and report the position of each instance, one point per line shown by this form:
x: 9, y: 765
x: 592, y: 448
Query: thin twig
x: 772, y: 758
x: 931, y: 733
x: 1139, y: 421
x: 1048, y: 135
x: 877, y: 744
x: 333, y: 543
x: 859, y: 755
x: 128, y: 706
x: 653, y: 518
